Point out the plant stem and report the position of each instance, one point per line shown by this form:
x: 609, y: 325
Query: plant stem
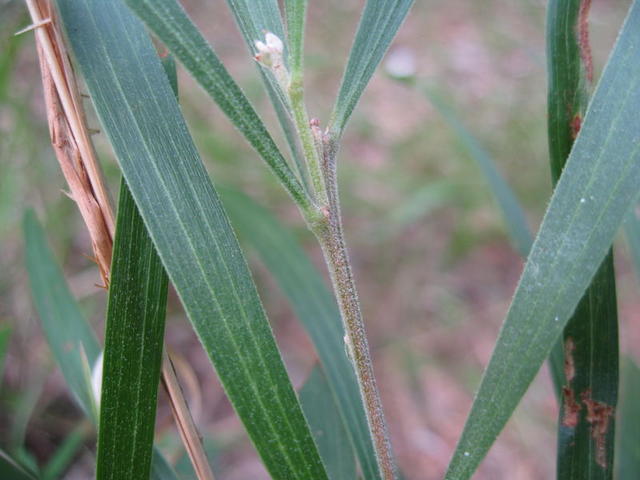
x: 331, y: 237
x: 296, y: 96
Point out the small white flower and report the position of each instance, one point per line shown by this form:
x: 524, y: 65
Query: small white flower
x: 269, y: 52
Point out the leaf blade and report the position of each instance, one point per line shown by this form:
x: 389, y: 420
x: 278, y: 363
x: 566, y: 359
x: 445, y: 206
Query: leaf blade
x: 590, y: 338
x: 589, y: 203
x: 378, y: 25
x: 133, y: 349
x: 189, y: 229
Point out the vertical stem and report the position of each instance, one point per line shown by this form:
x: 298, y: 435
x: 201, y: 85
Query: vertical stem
x: 296, y: 95
x: 331, y: 237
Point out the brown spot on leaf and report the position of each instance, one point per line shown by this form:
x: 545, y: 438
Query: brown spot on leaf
x: 569, y: 365
x: 576, y: 123
x: 598, y: 415
x: 583, y: 38
x: 571, y: 408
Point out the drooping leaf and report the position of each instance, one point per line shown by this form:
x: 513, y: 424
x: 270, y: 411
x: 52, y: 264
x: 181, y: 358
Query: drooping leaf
x: 596, y: 189
x: 67, y: 333
x: 189, y: 228
x: 328, y: 428
x: 590, y: 339
x: 169, y: 22
x: 314, y: 306
x: 133, y: 349
x: 379, y: 23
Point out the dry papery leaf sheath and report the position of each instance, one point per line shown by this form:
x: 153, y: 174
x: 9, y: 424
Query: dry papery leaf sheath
x: 74, y: 150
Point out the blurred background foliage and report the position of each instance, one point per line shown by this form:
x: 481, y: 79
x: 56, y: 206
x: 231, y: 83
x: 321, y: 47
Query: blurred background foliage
x: 430, y: 252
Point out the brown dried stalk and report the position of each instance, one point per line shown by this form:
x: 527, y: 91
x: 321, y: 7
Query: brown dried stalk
x: 75, y: 153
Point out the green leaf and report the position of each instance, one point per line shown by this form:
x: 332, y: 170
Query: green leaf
x: 67, y: 333
x: 591, y: 199
x: 296, y: 11
x: 169, y: 22
x: 380, y: 21
x: 133, y: 349
x: 189, y: 228
x: 328, y: 428
x: 628, y: 441
x: 314, y: 306
x: 11, y: 470
x: 590, y: 339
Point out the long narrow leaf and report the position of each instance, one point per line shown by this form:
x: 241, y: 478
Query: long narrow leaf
x: 632, y: 233
x: 189, y: 228
x: 597, y: 187
x: 314, y: 306
x: 68, y: 334
x: 328, y: 428
x: 380, y: 21
x: 169, y: 22
x: 133, y: 349
x: 590, y: 339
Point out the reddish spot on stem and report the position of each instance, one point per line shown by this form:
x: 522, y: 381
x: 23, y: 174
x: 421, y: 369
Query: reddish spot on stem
x: 576, y: 123
x: 583, y: 38
x: 569, y: 365
x: 598, y: 415
x: 571, y: 408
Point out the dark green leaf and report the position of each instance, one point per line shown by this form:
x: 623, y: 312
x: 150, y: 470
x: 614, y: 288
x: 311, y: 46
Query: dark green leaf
x: 189, y: 228
x: 133, y: 349
x: 595, y: 191
x: 328, y: 429
x: 380, y: 21
x: 5, y: 335
x: 590, y: 339
x: 314, y: 306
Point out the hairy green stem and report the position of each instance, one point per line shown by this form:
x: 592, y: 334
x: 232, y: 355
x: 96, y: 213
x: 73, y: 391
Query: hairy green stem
x: 331, y: 237
x: 296, y: 96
